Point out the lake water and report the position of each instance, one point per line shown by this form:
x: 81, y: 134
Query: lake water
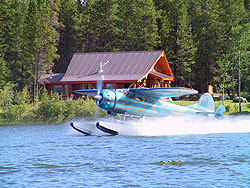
x: 174, y: 153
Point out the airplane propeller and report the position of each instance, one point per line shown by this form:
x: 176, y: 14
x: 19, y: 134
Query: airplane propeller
x: 98, y: 97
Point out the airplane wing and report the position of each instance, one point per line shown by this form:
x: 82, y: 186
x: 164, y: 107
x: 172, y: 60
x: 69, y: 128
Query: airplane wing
x: 164, y: 92
x: 92, y: 92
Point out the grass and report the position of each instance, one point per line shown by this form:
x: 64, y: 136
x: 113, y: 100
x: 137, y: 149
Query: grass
x: 231, y: 107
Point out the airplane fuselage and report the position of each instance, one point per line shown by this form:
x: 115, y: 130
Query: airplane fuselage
x: 121, y: 102
x: 148, y: 102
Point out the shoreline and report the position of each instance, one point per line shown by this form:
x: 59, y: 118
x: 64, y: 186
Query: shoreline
x: 40, y: 122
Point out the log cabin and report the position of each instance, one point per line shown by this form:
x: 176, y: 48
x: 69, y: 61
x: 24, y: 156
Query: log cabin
x: 131, y: 69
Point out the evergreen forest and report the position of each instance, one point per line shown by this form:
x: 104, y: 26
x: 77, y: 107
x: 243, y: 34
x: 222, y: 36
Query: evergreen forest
x: 207, y: 42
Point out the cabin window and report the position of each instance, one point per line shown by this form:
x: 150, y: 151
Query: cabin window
x: 126, y: 85
x: 85, y: 86
x: 108, y: 86
x: 65, y: 90
x: 114, y: 86
x: 58, y: 89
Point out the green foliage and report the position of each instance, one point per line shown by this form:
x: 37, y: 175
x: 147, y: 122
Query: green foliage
x: 12, y: 104
x: 102, y: 24
x: 70, y: 33
x: 3, y: 46
x: 17, y: 107
x: 31, y: 41
x: 7, y: 96
x: 136, y: 25
x: 237, y: 58
x: 14, y: 34
x: 246, y: 95
x: 54, y: 109
x: 185, y: 47
x: 203, y: 40
x: 3, y: 72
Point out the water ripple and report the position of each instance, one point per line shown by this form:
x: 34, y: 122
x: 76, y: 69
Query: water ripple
x: 8, y: 170
x: 180, y: 162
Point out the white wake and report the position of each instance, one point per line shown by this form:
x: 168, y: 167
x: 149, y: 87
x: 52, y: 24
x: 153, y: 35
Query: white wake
x: 179, y: 126
x: 188, y: 125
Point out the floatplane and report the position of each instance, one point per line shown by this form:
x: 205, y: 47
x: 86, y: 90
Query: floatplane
x: 144, y: 102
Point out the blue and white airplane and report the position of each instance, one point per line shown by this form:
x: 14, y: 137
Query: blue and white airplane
x: 148, y: 102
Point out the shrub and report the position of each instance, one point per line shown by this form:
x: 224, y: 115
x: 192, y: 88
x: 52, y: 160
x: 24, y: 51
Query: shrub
x: 85, y: 108
x: 246, y: 95
x: 69, y: 109
x: 228, y: 108
x: 50, y: 108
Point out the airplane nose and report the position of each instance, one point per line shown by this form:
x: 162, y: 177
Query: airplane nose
x: 98, y: 98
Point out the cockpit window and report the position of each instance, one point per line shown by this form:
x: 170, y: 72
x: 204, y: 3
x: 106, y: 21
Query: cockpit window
x: 149, y: 100
x: 139, y: 97
x: 131, y: 95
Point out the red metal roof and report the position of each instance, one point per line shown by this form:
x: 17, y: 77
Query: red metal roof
x: 116, y: 65
x: 57, y: 77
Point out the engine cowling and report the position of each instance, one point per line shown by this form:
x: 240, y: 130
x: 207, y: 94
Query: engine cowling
x: 108, y: 101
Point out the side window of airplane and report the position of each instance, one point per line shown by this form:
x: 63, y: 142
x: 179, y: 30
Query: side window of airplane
x: 130, y: 95
x: 148, y: 100
x: 139, y: 98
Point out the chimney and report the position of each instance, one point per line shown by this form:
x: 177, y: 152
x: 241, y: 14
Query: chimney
x: 50, y: 71
x: 100, y: 68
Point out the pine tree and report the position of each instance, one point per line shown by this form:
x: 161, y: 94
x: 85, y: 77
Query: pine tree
x: 69, y: 19
x: 137, y: 26
x: 205, y: 28
x: 230, y: 15
x: 177, y: 39
x: 3, y: 46
x: 101, y: 25
x: 167, y: 26
x: 185, y: 47
x: 14, y: 40
x: 40, y: 38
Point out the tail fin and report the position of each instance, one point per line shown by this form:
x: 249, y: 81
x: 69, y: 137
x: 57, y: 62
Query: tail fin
x: 205, y: 103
